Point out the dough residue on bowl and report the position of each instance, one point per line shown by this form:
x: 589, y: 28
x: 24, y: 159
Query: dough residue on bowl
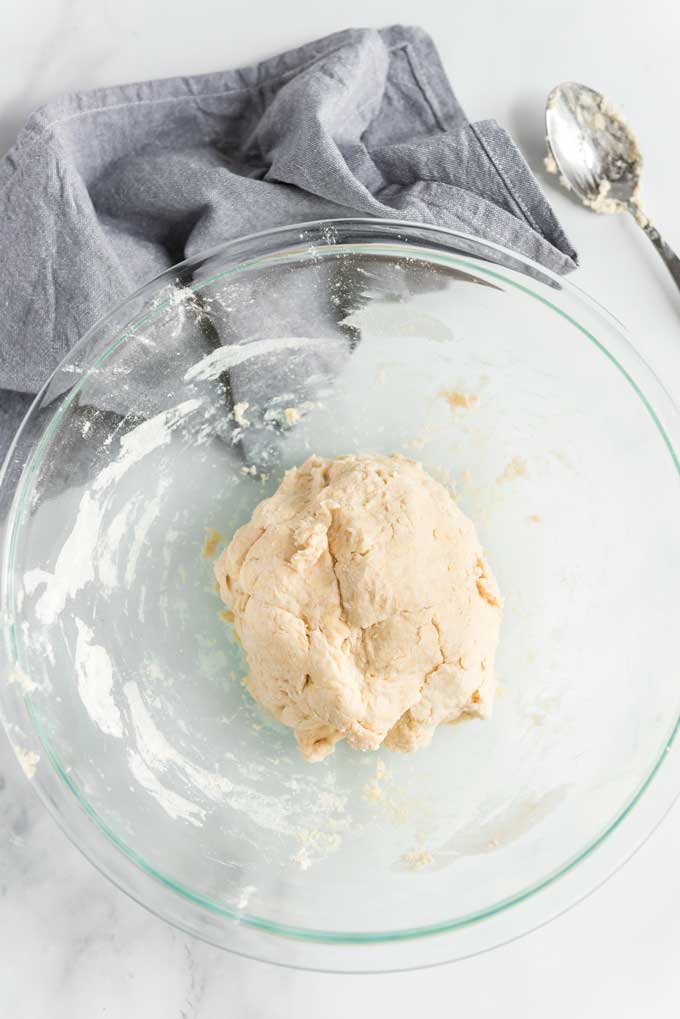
x: 515, y: 468
x: 212, y: 539
x: 458, y: 400
x: 28, y: 759
x: 416, y: 859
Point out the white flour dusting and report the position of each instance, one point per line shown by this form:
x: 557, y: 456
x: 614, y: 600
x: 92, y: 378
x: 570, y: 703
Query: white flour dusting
x: 108, y: 550
x: 75, y: 563
x: 141, y: 531
x: 34, y: 578
x: 240, y: 414
x: 270, y: 812
x: 22, y: 680
x: 246, y: 892
x: 28, y: 760
x: 220, y: 360
x: 75, y: 566
x: 171, y: 802
x: 95, y: 682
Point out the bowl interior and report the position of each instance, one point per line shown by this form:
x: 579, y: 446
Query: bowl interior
x: 507, y: 388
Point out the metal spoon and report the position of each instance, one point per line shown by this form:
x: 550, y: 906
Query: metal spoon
x: 597, y: 156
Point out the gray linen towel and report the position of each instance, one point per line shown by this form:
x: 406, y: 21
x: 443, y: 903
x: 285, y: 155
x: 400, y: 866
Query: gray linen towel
x: 104, y: 189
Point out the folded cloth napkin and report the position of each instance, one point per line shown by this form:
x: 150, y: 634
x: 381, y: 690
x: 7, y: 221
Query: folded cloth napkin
x: 104, y: 189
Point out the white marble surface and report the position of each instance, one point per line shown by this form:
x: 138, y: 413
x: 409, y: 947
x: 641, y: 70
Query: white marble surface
x: 72, y: 946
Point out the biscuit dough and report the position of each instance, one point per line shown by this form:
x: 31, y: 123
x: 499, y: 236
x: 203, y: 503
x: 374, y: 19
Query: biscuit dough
x: 364, y: 605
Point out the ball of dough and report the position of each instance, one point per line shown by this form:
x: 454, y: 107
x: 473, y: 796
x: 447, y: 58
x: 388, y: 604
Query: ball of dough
x: 364, y: 604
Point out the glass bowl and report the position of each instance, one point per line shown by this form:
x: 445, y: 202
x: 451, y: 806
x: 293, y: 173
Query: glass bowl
x: 175, y: 415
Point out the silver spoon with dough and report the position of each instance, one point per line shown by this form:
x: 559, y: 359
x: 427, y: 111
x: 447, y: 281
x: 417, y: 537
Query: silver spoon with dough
x: 596, y: 155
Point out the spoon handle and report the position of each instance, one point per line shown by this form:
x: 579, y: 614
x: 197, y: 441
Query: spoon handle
x: 668, y: 255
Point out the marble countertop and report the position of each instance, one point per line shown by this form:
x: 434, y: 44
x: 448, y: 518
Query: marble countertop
x: 73, y: 947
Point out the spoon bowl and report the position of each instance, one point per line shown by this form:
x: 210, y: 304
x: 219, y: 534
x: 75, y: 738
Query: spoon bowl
x: 591, y: 144
x: 597, y: 156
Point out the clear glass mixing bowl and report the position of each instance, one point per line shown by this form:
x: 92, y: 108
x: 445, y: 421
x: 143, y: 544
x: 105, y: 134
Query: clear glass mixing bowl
x: 179, y: 412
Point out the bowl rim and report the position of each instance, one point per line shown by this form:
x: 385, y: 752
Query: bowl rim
x: 49, y: 794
